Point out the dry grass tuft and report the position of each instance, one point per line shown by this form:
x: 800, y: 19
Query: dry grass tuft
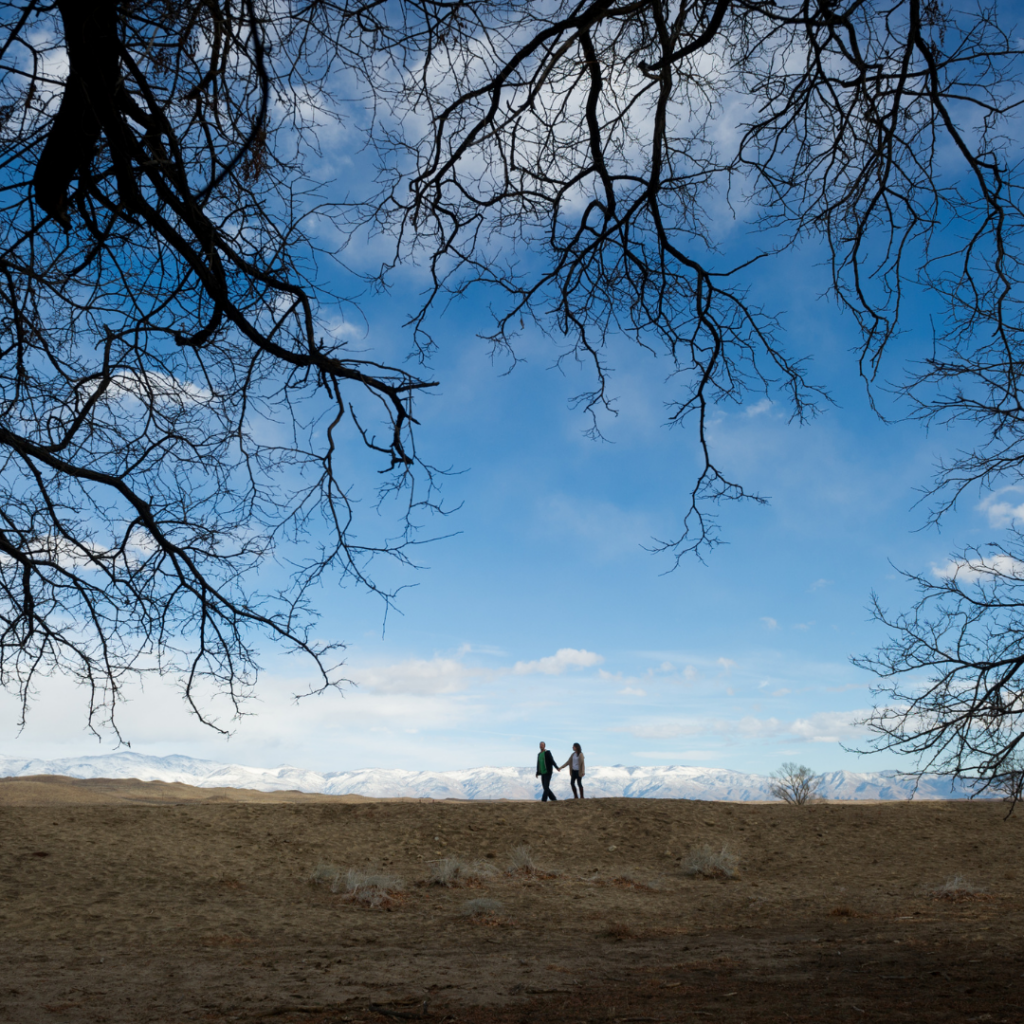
x: 957, y: 889
x: 618, y: 930
x: 520, y: 861
x: 486, y: 912
x: 843, y: 911
x: 371, y: 888
x: 709, y: 862
x: 452, y: 872
x: 325, y: 873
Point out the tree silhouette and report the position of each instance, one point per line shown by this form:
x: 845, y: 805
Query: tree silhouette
x: 795, y: 784
x: 964, y: 637
x: 594, y: 163
x: 175, y: 404
x: 616, y: 139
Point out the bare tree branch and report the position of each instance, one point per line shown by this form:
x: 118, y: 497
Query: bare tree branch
x: 175, y: 424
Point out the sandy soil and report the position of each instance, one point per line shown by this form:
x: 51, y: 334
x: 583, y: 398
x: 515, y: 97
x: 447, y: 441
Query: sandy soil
x: 136, y: 902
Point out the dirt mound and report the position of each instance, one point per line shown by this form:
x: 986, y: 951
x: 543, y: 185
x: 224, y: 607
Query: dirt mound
x: 37, y: 790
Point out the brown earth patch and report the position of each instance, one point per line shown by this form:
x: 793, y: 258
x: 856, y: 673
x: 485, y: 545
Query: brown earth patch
x: 128, y: 903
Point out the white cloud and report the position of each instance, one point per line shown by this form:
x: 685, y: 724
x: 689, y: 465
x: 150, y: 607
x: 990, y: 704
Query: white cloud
x: 497, y: 652
x: 758, y: 408
x: 64, y: 552
x: 151, y: 387
x: 818, y: 584
x: 72, y: 554
x: 830, y: 726
x: 1002, y: 513
x: 726, y: 664
x: 449, y: 675
x: 974, y: 569
x: 558, y: 663
x: 418, y: 676
x: 781, y: 693
x: 340, y: 329
x: 821, y: 727
x: 634, y: 691
x: 769, y: 621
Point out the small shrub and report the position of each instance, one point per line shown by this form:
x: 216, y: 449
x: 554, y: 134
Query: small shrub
x: 795, y: 783
x: 842, y: 912
x: 709, y: 862
x: 451, y: 872
x: 520, y: 861
x: 619, y: 931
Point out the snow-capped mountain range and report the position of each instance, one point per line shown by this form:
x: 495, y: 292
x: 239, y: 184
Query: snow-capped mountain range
x: 675, y: 782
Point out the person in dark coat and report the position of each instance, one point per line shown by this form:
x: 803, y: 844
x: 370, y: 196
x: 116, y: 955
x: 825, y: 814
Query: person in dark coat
x: 545, y: 766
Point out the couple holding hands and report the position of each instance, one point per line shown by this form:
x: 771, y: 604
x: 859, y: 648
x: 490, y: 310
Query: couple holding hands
x: 546, y: 765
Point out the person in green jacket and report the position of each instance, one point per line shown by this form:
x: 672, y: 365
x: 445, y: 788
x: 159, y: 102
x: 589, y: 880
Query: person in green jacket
x: 545, y: 766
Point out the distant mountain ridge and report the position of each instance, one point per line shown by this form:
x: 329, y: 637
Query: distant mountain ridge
x: 673, y: 782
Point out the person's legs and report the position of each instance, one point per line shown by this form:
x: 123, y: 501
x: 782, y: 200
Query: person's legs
x: 545, y: 781
x: 574, y: 778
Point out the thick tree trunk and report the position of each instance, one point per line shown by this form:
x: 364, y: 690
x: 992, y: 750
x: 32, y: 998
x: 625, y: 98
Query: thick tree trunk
x: 88, y: 108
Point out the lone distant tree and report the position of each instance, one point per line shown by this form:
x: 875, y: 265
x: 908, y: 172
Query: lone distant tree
x: 795, y: 783
x: 179, y: 408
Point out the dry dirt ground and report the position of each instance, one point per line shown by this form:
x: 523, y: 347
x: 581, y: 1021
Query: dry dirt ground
x: 129, y: 902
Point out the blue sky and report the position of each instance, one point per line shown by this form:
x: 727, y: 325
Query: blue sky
x: 545, y: 618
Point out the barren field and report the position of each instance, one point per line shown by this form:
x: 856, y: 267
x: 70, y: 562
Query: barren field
x: 129, y: 902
